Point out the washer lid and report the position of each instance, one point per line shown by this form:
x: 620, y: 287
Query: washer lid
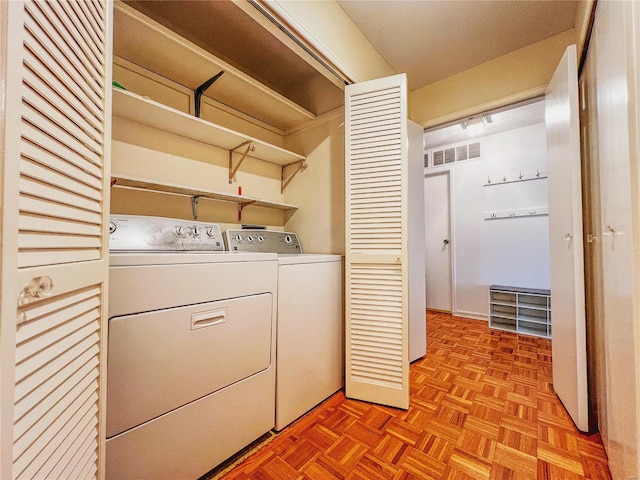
x: 301, y: 258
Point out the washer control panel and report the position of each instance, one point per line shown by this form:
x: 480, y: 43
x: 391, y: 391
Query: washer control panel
x: 258, y: 240
x: 154, y: 234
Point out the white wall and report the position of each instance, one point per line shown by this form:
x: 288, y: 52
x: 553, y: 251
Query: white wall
x: 513, y: 251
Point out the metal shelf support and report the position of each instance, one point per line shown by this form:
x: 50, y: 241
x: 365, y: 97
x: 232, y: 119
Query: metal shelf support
x: 197, y: 93
x: 232, y: 170
x: 241, y: 207
x: 286, y: 178
x: 194, y: 206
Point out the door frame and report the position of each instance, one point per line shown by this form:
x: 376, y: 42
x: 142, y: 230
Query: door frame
x: 452, y: 241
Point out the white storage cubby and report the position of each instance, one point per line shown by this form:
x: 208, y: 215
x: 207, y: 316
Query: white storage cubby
x: 521, y: 310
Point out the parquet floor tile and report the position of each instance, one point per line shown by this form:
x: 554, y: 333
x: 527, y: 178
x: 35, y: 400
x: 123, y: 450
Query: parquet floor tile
x: 482, y: 407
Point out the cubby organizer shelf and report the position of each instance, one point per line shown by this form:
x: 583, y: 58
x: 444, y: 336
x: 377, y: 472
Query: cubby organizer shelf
x: 196, y: 194
x: 522, y: 310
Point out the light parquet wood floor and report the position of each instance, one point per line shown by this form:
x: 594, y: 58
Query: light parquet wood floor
x: 482, y: 407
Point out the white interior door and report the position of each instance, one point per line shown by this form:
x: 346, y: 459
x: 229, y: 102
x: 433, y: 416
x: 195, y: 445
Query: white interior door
x: 376, y: 257
x: 55, y: 137
x: 565, y: 240
x: 438, y: 241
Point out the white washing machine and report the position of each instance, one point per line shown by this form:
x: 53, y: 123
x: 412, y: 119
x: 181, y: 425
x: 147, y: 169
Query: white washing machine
x: 310, y: 331
x: 191, y: 349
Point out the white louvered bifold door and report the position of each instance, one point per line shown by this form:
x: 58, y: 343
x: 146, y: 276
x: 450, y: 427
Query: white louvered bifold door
x: 56, y: 140
x: 376, y: 174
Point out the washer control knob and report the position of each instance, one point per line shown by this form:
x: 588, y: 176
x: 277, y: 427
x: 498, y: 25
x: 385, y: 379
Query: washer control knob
x: 195, y: 231
x: 113, y: 226
x: 260, y: 238
x: 250, y: 238
x: 288, y: 239
x: 180, y: 231
x: 211, y: 232
x: 238, y: 238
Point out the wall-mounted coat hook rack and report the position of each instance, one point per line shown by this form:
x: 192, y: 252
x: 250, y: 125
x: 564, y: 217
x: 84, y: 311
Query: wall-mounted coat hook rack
x: 516, y: 177
x: 517, y: 213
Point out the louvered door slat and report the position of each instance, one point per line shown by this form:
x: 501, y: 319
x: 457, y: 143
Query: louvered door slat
x: 43, y: 207
x: 60, y: 412
x: 93, y: 12
x: 376, y: 286
x: 89, y: 38
x: 41, y: 189
x: 47, y: 124
x: 61, y: 339
x: 39, y: 172
x: 47, y: 446
x: 62, y: 46
x: 47, y: 46
x: 41, y: 224
x: 44, y: 92
x: 49, y: 144
x: 85, y: 63
x: 81, y: 435
x: 63, y: 96
x: 69, y: 388
x: 59, y: 140
x: 39, y: 60
x: 88, y: 459
x: 38, y: 101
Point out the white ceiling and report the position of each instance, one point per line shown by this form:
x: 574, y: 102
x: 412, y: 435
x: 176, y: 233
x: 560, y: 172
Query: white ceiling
x: 507, y: 118
x: 433, y: 39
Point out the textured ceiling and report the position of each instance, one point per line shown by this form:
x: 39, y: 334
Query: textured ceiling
x: 433, y: 39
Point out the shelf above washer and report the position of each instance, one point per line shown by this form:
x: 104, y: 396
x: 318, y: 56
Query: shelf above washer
x: 153, y: 114
x: 242, y: 201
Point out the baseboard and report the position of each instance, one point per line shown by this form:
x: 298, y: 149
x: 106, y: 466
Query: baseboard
x: 471, y: 315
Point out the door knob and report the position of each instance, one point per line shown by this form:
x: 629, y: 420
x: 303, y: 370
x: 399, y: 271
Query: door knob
x: 446, y: 242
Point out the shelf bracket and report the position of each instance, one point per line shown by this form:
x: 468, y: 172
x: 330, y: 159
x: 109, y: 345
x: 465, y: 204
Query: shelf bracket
x: 232, y: 170
x: 197, y: 93
x: 241, y: 206
x: 286, y: 179
x: 194, y: 206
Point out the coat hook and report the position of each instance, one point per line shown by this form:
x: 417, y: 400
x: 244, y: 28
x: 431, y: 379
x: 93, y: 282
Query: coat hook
x: 489, y: 180
x: 537, y: 172
x: 504, y: 177
x: 520, y: 176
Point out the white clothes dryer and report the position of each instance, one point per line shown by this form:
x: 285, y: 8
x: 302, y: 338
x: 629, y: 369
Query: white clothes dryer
x: 191, y: 348
x: 310, y: 321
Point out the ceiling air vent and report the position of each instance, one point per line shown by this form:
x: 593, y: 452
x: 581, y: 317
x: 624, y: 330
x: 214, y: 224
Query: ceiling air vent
x: 461, y: 153
x: 456, y: 153
x: 450, y: 155
x: 474, y: 150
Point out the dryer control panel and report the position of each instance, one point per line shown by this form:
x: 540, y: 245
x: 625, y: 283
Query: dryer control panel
x: 266, y: 241
x: 138, y: 233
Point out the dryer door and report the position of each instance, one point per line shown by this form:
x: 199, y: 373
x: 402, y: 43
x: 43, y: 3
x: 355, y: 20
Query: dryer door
x: 161, y: 360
